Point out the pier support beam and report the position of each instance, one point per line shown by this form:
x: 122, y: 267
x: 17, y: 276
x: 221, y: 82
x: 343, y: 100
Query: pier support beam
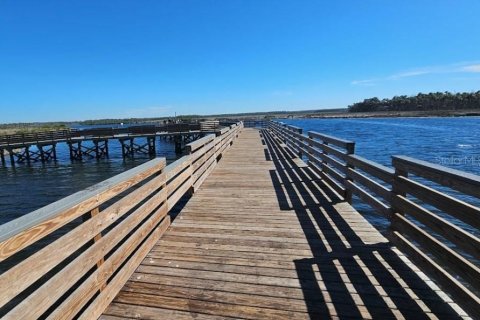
x: 151, y: 146
x: 129, y: 147
x: 45, y: 152
x: 19, y: 155
x: 75, y: 150
x: 12, y: 158
x: 98, y: 150
x: 178, y: 144
x: 101, y: 148
x: 2, y: 156
x: 27, y: 154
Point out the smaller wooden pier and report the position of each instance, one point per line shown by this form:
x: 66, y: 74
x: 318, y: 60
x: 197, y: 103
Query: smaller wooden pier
x: 252, y: 224
x: 93, y: 143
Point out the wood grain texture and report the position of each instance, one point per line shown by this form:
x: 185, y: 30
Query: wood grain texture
x: 265, y: 237
x: 22, y: 232
x: 80, y: 271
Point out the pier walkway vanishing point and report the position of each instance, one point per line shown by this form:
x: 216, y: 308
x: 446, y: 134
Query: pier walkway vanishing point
x: 266, y: 236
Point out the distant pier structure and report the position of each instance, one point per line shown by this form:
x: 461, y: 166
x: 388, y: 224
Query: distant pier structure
x: 94, y: 143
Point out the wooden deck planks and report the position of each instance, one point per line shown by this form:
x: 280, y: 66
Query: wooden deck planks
x: 266, y: 238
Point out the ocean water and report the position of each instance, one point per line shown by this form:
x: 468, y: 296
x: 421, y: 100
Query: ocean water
x: 451, y: 142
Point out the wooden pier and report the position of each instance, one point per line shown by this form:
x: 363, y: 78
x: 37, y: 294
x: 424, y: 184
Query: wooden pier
x: 257, y: 233
x: 93, y: 143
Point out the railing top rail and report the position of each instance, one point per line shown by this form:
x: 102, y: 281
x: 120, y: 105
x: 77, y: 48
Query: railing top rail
x: 197, y: 144
x: 330, y: 139
x: 468, y: 183
x: 117, y: 222
x: 222, y: 131
x: 293, y: 128
x: 52, y: 210
x: 385, y: 172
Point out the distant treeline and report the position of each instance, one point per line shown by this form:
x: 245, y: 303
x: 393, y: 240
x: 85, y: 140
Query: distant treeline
x: 420, y: 102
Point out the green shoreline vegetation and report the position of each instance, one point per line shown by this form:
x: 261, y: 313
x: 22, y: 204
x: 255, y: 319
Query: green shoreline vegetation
x: 435, y: 101
x: 437, y: 104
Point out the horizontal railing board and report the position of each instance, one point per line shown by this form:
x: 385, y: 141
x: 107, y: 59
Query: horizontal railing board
x: 334, y: 162
x: 106, y: 296
x: 81, y: 295
x: 224, y: 130
x: 177, y: 194
x: 330, y: 139
x: 173, y: 185
x: 339, y: 176
x: 203, y: 177
x: 342, y: 155
x: 53, y: 254
x: 459, y: 209
x: 177, y: 166
x: 448, y: 256
x: 340, y: 189
x: 371, y: 184
x: 384, y: 189
x: 464, y: 297
x: 298, y: 136
x: 41, y: 299
x: 377, y: 170
x: 114, y: 236
x: 382, y: 208
x: 204, y: 157
x: 455, y: 234
x: 197, y: 144
x: 292, y: 128
x: 467, y: 183
x: 21, y: 232
x: 201, y: 170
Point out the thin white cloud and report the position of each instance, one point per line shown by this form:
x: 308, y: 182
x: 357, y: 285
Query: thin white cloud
x: 475, y: 68
x: 367, y: 83
x: 408, y: 74
x: 461, y: 67
x: 148, y: 112
x: 282, y: 93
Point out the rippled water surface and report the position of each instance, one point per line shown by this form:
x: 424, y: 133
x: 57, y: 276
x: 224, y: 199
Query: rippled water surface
x: 452, y: 142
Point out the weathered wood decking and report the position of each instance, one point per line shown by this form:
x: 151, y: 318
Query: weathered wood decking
x: 265, y: 237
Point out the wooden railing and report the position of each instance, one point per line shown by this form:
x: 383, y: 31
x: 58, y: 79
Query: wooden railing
x: 37, y: 137
x: 67, y: 134
x: 428, y: 221
x: 209, y: 125
x: 255, y: 123
x: 70, y: 258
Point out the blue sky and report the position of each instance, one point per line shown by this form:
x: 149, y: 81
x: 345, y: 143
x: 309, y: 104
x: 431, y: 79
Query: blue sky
x: 81, y: 59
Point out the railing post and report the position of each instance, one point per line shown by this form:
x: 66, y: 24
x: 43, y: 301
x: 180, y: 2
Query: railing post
x: 191, y: 190
x: 283, y: 131
x: 350, y: 148
x: 310, y: 146
x: 96, y: 238
x: 399, y: 172
x: 300, y: 154
x: 12, y: 158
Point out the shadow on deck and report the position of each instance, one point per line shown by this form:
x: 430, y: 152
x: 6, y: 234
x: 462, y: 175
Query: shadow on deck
x: 347, y: 276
